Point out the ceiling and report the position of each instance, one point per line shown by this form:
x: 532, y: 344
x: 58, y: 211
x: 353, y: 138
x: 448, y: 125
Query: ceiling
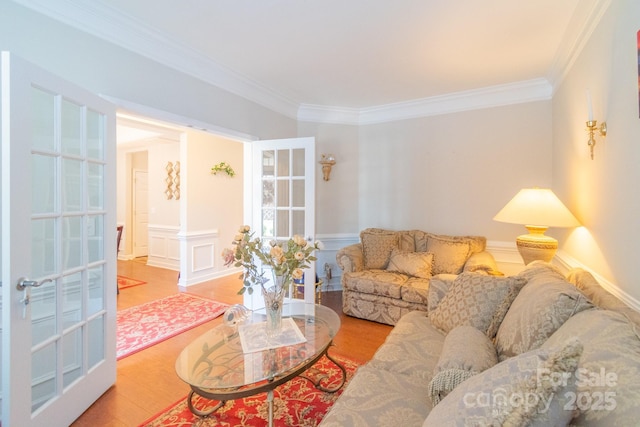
x: 346, y: 55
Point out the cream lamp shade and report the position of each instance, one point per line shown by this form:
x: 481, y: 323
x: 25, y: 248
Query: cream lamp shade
x: 537, y: 209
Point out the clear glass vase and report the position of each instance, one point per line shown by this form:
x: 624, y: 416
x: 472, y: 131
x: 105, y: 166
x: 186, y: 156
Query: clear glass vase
x: 273, y: 300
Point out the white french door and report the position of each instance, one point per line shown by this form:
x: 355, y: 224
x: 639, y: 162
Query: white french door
x: 283, y: 189
x: 58, y: 247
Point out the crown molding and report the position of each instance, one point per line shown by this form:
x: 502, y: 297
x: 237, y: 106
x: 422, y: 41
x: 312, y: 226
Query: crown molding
x: 493, y: 96
x: 108, y: 24
x: 582, y: 25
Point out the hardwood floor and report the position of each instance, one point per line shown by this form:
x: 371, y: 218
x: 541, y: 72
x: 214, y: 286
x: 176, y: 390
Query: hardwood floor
x: 146, y: 381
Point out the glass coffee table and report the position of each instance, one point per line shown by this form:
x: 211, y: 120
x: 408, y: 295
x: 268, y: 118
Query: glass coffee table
x: 217, y: 368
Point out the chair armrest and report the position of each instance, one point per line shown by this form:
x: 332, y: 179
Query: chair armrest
x: 351, y: 258
x: 482, y: 262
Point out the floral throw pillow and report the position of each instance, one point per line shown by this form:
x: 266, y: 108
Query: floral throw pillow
x: 377, y: 246
x: 539, y: 310
x: 416, y: 264
x: 449, y: 255
x: 478, y: 300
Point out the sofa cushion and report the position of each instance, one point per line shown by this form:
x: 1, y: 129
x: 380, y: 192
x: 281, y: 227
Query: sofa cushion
x: 539, y: 310
x: 376, y: 282
x: 449, y: 255
x: 415, y: 290
x: 523, y: 390
x: 376, y: 397
x: 417, y: 264
x: 477, y: 300
x: 377, y: 245
x: 466, y: 351
x: 609, y: 370
x: 412, y: 348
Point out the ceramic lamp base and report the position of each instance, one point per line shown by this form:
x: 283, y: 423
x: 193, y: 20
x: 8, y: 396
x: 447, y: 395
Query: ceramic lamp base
x: 536, y: 245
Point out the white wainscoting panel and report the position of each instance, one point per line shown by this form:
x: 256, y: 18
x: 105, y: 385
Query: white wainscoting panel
x: 164, y: 247
x: 199, y: 262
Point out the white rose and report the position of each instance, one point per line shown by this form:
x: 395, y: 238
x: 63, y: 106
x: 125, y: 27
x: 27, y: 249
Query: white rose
x: 299, y: 240
x: 319, y: 245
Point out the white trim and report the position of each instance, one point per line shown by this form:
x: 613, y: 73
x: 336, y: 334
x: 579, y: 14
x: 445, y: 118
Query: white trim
x: 494, y: 96
x: 575, y: 38
x: 171, y: 118
x: 506, y: 253
x: 109, y: 24
x: 567, y: 262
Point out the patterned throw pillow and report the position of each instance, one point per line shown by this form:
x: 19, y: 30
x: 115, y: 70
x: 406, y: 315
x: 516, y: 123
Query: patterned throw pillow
x: 416, y: 264
x: 377, y: 246
x: 466, y: 351
x: 532, y: 389
x: 477, y: 300
x: 438, y: 287
x: 538, y: 311
x: 449, y: 255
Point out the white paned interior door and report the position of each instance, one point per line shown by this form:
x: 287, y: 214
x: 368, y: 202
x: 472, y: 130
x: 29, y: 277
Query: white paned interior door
x: 58, y: 247
x: 283, y: 190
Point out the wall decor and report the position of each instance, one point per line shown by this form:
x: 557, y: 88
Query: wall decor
x: 169, y: 180
x: 223, y: 167
x: 176, y: 181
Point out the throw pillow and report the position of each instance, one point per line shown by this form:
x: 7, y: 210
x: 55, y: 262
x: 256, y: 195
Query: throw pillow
x: 377, y: 246
x: 466, y: 351
x: 538, y: 311
x: 438, y: 287
x: 416, y: 264
x: 449, y: 255
x: 477, y: 300
x: 531, y: 389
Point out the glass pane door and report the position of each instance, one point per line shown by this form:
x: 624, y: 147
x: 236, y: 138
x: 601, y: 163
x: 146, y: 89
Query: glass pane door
x: 58, y: 246
x: 284, y: 195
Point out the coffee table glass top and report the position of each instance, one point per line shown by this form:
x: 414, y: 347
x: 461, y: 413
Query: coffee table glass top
x: 215, y: 360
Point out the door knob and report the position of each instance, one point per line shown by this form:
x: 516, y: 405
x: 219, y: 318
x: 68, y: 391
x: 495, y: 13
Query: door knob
x: 24, y: 283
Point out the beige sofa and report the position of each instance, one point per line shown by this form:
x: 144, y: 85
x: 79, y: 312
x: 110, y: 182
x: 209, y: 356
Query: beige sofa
x: 532, y: 349
x: 388, y: 273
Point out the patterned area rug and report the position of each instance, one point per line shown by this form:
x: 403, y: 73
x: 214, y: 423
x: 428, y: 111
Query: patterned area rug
x: 295, y: 403
x: 144, y: 325
x: 125, y: 282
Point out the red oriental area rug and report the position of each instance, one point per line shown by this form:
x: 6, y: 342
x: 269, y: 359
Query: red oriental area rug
x: 145, y: 325
x: 126, y: 282
x: 295, y: 403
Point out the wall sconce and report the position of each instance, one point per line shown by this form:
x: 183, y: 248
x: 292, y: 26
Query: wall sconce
x: 327, y: 161
x: 592, y: 125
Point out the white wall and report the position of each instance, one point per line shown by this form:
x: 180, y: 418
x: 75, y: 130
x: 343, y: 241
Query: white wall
x: 603, y: 193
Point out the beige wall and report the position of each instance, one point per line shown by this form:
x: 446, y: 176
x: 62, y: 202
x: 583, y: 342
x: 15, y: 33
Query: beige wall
x: 336, y: 199
x: 603, y: 193
x: 450, y: 173
x: 213, y: 202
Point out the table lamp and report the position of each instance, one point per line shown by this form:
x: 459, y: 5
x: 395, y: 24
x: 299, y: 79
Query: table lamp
x: 537, y: 209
